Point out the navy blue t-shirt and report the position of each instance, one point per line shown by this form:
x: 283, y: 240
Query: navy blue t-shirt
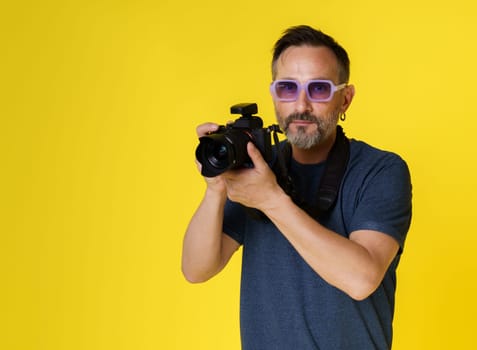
x: 287, y: 305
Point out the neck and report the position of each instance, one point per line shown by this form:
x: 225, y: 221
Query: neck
x: 315, y: 154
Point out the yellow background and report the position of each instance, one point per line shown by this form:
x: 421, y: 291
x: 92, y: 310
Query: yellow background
x: 99, y: 103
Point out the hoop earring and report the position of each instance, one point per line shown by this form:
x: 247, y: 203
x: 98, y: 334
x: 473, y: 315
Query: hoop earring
x: 343, y: 117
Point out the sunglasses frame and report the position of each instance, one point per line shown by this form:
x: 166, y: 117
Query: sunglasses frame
x: 305, y: 86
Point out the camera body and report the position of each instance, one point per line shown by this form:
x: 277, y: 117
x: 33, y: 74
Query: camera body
x: 226, y: 148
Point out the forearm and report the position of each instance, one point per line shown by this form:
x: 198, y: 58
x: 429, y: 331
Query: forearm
x: 202, y: 246
x: 340, y: 261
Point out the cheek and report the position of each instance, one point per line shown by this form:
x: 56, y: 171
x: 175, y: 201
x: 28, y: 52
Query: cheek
x: 283, y: 110
x: 281, y: 116
x: 327, y: 110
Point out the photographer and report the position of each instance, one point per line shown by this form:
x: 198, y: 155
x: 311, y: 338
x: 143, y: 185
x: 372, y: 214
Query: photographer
x: 311, y: 278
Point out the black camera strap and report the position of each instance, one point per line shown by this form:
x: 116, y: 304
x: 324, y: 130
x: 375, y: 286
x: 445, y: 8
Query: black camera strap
x: 331, y: 179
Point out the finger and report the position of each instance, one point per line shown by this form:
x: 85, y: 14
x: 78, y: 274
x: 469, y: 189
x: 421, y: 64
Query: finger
x: 204, y: 129
x: 199, y: 166
x: 255, y: 156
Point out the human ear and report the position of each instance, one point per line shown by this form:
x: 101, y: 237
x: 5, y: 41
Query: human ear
x: 348, y: 95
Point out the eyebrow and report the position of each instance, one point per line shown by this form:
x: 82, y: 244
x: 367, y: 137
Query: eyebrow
x: 320, y: 78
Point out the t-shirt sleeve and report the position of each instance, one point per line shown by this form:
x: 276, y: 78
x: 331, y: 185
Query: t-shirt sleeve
x: 235, y: 219
x: 384, y: 203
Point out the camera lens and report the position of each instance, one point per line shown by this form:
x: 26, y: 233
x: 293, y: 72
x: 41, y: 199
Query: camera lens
x: 220, y: 152
x: 217, y: 155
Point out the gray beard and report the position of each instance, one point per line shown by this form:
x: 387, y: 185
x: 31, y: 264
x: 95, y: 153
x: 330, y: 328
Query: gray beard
x: 300, y: 139
x: 303, y: 140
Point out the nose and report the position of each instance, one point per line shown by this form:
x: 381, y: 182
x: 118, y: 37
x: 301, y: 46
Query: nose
x: 302, y: 103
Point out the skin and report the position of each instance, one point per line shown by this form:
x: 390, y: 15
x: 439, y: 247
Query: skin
x: 356, y: 265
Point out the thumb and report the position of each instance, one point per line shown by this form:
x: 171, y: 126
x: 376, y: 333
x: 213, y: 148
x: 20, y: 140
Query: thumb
x: 255, y: 156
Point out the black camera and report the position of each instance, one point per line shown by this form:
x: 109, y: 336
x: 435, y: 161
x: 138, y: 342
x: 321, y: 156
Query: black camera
x: 226, y: 148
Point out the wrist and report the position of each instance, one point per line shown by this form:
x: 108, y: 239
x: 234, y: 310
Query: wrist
x: 275, y: 201
x: 213, y: 193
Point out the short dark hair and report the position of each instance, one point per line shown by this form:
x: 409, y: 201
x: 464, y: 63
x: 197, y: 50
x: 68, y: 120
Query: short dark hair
x: 306, y: 35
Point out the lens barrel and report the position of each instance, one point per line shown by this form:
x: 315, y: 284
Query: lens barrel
x: 220, y: 152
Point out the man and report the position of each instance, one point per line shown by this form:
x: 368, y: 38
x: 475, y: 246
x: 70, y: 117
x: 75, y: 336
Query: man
x: 309, y: 281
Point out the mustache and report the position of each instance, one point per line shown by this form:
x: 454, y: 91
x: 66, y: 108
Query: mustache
x: 301, y: 116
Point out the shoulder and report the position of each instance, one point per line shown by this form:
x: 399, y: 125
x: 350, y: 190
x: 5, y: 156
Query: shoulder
x: 365, y: 158
x: 362, y: 150
x: 377, y: 174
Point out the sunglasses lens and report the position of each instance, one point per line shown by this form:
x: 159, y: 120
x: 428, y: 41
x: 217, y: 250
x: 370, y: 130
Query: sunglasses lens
x: 286, y: 90
x: 319, y: 90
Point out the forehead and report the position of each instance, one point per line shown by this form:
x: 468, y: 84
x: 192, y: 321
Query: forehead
x: 307, y: 62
